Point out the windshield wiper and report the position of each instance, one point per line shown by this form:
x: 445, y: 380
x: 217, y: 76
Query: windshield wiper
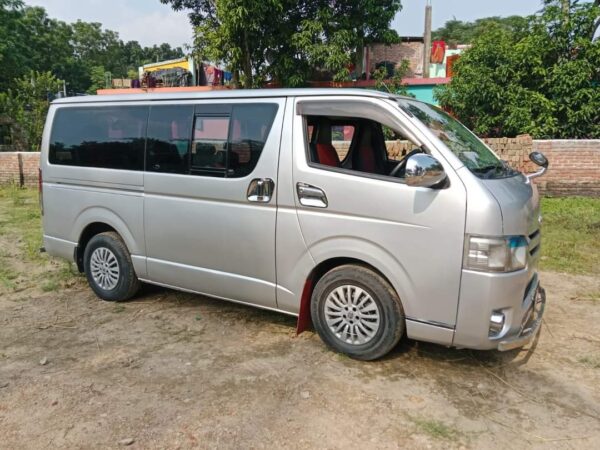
x: 488, y: 171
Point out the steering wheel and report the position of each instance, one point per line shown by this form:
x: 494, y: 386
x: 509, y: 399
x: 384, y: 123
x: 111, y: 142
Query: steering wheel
x: 402, y: 163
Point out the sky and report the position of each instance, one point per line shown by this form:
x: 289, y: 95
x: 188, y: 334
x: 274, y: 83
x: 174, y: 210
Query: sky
x: 150, y: 22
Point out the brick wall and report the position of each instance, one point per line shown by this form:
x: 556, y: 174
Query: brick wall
x: 412, y: 51
x: 20, y: 168
x: 574, y: 167
x: 574, y: 164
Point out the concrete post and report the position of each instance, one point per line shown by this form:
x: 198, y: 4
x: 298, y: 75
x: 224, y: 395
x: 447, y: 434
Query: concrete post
x: 427, y: 40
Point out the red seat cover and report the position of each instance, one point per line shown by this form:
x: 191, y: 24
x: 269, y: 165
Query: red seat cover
x: 328, y: 155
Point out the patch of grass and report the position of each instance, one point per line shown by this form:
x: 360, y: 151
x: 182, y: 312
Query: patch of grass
x: 20, y: 224
x: 50, y: 286
x: 591, y: 361
x: 22, y: 219
x: 571, y: 235
x: 119, y: 309
x: 435, y: 428
x: 593, y: 297
x: 7, y: 276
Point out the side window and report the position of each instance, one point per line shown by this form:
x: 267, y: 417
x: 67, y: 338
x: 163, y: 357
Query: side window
x: 250, y: 128
x: 168, y: 143
x: 341, y: 138
x: 397, y: 145
x: 209, y: 148
x: 106, y: 137
x: 357, y: 145
x: 230, y: 145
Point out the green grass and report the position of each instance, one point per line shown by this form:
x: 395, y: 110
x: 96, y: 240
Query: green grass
x: 50, y: 286
x: 571, y: 235
x: 7, y: 276
x: 20, y: 223
x: 592, y: 361
x: 21, y: 217
x: 435, y: 428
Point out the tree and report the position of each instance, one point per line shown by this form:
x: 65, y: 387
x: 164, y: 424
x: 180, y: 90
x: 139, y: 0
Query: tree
x: 27, y: 105
x: 286, y: 40
x: 458, y: 32
x: 544, y: 81
x: 30, y: 40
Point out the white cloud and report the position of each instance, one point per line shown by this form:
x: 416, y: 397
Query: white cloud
x: 146, y: 21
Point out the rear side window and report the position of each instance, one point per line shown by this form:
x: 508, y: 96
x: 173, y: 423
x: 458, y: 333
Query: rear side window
x: 229, y: 142
x: 106, y: 137
x: 168, y: 145
x: 209, y: 151
x: 250, y: 126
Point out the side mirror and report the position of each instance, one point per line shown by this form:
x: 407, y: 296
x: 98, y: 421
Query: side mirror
x: 539, y: 159
x: 424, y: 171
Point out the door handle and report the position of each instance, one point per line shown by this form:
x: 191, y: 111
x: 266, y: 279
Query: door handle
x: 311, y: 196
x: 261, y: 190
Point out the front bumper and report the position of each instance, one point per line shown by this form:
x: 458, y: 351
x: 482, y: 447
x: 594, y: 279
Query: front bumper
x: 517, y: 295
x: 532, y: 322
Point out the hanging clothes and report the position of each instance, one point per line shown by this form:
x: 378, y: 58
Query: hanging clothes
x: 209, y: 72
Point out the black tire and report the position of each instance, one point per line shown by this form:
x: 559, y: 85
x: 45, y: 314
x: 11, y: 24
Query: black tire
x: 391, y: 323
x: 127, y: 283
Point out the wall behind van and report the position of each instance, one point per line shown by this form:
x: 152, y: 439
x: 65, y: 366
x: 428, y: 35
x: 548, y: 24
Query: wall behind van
x: 574, y: 164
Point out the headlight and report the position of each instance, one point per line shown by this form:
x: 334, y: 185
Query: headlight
x: 496, y: 254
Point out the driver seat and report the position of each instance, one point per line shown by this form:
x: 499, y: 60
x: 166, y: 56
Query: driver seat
x: 365, y: 158
x: 326, y: 152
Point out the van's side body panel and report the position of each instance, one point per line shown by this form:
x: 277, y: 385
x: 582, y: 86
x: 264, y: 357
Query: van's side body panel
x: 294, y: 261
x: 413, y: 236
x: 203, y: 234
x: 76, y: 197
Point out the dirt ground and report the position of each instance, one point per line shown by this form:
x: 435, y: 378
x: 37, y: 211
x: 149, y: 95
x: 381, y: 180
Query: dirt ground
x: 173, y: 370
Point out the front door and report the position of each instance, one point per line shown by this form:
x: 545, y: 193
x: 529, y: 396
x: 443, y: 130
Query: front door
x: 352, y: 204
x: 210, y: 204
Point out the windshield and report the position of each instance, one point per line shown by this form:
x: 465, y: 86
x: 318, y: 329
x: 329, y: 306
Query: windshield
x: 473, y: 153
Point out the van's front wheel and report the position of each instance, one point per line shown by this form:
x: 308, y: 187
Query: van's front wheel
x: 109, y: 269
x: 357, y: 312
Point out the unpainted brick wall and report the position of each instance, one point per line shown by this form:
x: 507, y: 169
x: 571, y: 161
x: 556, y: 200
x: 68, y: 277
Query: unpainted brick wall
x: 20, y: 168
x: 574, y: 167
x: 396, y: 53
x: 574, y: 164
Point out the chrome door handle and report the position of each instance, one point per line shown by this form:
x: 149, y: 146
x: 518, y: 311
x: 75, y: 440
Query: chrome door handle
x: 311, y: 196
x: 261, y: 190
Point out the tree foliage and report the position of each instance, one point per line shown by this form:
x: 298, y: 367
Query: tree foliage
x: 544, y: 81
x: 459, y: 32
x: 27, y: 104
x: 30, y: 40
x: 287, y: 40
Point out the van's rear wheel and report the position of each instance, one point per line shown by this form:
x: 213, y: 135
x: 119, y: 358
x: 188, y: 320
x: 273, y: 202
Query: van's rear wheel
x: 357, y: 312
x: 109, y: 269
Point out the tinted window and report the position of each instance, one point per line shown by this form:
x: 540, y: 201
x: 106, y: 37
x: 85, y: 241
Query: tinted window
x: 250, y: 126
x: 209, y: 149
x: 107, y: 137
x: 168, y: 144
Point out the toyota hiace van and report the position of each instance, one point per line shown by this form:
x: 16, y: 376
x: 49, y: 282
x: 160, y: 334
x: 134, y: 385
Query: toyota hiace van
x: 373, y: 216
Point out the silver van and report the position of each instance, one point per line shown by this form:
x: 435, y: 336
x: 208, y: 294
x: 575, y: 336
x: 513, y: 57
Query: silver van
x: 373, y: 216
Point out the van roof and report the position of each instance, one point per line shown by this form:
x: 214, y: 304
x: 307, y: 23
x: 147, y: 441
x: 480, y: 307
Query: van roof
x: 226, y: 94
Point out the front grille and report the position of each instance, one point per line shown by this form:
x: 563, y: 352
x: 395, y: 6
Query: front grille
x: 534, y: 243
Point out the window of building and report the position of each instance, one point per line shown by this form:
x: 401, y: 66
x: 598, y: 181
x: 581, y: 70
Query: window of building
x: 106, y: 137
